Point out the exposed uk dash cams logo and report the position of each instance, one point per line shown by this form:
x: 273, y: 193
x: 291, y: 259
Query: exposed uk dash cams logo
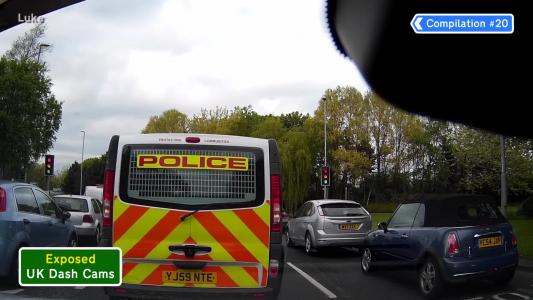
x: 31, y: 19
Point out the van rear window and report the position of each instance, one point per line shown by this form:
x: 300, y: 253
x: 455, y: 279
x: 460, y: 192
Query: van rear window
x: 189, y: 176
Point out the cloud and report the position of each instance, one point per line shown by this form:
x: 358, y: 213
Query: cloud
x: 116, y: 63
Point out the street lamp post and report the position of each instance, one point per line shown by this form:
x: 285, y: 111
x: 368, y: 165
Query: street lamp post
x: 81, y: 166
x: 325, y: 147
x: 503, y: 178
x: 41, y: 46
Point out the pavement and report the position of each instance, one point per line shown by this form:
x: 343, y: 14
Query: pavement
x: 331, y: 274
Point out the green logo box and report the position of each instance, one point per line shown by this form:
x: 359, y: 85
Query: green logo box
x: 62, y: 266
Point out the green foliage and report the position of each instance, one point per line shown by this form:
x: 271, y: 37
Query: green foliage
x: 296, y: 162
x: 31, y: 115
x: 382, y: 207
x: 270, y: 128
x: 170, y: 121
x: 71, y: 184
x: 526, y: 208
x: 93, y: 174
x: 376, y: 152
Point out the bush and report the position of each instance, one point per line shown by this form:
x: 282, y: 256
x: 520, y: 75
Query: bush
x: 382, y: 207
x: 526, y: 208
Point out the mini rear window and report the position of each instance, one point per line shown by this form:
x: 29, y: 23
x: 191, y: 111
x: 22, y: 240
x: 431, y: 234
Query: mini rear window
x: 479, y: 213
x: 342, y: 210
x: 185, y: 176
x: 72, y: 204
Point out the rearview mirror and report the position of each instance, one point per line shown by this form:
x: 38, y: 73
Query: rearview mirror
x: 383, y: 226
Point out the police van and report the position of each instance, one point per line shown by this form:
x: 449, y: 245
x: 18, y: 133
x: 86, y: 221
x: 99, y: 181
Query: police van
x: 194, y: 214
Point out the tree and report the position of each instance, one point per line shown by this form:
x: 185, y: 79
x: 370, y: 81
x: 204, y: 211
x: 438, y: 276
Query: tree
x: 209, y: 121
x: 296, y: 163
x: 170, y: 121
x: 31, y: 115
x: 93, y: 170
x: 27, y: 47
x: 71, y: 184
x: 270, y: 128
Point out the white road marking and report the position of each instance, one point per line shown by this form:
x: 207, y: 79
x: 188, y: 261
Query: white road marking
x: 12, y: 292
x: 317, y: 284
x: 475, y: 298
x: 79, y: 287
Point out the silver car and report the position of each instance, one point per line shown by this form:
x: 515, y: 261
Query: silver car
x: 85, y: 215
x: 323, y: 223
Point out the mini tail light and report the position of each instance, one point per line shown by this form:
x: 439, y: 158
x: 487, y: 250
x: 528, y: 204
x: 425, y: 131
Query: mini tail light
x: 88, y: 219
x: 452, y: 247
x: 192, y: 140
x: 109, y: 184
x: 3, y: 200
x: 273, y: 269
x: 275, y: 203
x: 513, y: 240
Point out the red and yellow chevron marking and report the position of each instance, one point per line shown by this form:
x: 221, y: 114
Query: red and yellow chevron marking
x: 240, y: 236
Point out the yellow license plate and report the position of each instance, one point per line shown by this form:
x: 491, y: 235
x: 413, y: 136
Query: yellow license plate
x: 189, y: 277
x: 490, y: 241
x: 354, y: 226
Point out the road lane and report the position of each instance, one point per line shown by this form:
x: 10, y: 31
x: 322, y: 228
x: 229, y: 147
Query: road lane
x: 337, y: 270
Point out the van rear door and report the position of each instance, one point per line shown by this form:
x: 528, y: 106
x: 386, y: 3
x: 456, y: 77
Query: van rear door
x: 223, y: 243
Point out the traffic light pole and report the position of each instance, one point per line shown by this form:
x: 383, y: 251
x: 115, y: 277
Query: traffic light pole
x: 325, y: 147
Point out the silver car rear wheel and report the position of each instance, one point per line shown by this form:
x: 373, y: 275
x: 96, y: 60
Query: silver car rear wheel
x: 308, y: 244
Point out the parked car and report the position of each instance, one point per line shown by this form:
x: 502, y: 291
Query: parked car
x: 328, y: 223
x: 29, y: 217
x: 86, y: 215
x: 447, y: 238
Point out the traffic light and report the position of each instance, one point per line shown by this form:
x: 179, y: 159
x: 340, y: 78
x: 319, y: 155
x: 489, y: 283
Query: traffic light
x: 325, y: 178
x: 49, y: 165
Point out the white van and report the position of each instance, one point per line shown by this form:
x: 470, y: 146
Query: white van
x: 194, y: 214
x: 95, y: 192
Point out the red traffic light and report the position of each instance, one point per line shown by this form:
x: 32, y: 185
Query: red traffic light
x: 324, y: 180
x: 49, y: 165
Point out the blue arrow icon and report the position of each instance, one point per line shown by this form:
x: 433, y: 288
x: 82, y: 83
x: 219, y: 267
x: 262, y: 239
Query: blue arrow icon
x: 463, y: 23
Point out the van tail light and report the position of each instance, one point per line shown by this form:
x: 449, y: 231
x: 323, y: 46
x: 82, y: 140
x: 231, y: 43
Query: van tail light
x: 452, y: 244
x: 3, y: 200
x: 109, y: 185
x: 513, y: 240
x: 273, y: 269
x: 275, y: 203
x: 88, y: 219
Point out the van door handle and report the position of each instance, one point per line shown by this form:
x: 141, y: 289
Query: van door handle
x: 404, y: 236
x: 26, y: 221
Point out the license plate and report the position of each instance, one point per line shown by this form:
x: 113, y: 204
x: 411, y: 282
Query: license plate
x: 189, y: 277
x: 490, y: 241
x: 350, y: 226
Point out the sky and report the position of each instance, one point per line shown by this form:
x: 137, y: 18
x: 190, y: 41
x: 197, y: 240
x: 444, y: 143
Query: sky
x: 116, y: 63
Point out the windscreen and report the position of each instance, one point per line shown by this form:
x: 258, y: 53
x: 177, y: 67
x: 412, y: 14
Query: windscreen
x: 72, y: 204
x: 342, y: 210
x: 188, y: 176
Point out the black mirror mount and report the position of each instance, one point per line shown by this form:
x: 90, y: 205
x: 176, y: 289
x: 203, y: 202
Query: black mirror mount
x: 65, y: 215
x: 383, y: 226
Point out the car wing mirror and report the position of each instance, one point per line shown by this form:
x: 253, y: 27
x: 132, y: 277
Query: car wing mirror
x: 65, y: 215
x: 383, y: 226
